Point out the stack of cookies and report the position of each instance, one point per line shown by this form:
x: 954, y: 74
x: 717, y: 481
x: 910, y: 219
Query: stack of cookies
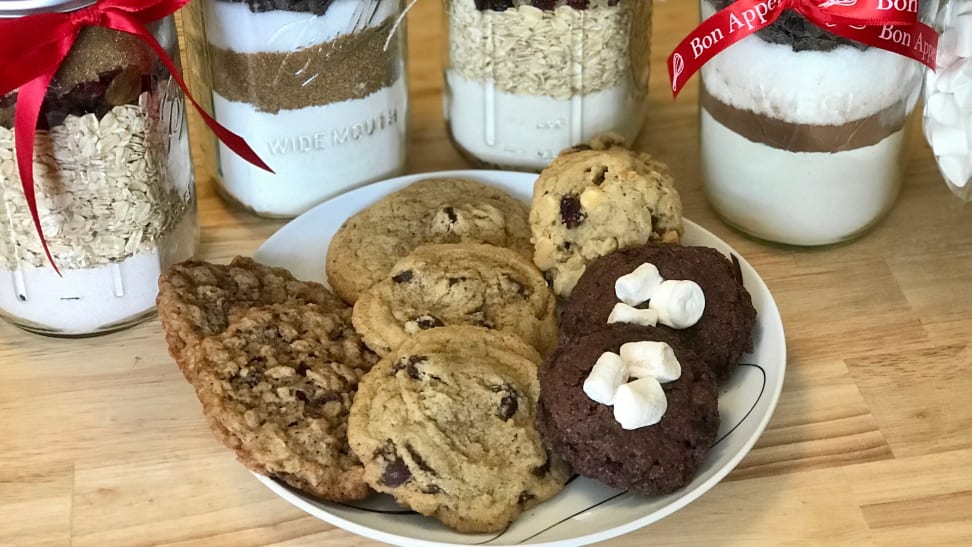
x: 437, y: 371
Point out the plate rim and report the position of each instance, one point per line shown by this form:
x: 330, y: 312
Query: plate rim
x: 774, y: 391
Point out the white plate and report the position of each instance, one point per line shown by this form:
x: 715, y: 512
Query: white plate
x: 586, y: 511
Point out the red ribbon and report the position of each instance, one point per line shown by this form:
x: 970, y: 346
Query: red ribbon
x: 33, y: 47
x: 887, y: 24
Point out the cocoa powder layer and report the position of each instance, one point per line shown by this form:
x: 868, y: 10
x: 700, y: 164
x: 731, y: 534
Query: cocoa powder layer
x: 807, y: 137
x: 352, y: 66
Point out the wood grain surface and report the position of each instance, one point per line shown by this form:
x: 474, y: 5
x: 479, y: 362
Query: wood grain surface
x: 102, y: 442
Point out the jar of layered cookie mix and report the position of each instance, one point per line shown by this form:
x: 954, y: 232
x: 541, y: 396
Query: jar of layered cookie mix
x: 804, y: 132
x: 526, y: 79
x: 111, y: 182
x: 318, y: 88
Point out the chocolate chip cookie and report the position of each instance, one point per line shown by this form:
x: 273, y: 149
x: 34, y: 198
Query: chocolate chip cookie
x: 720, y: 337
x: 597, y: 198
x: 276, y: 387
x: 653, y: 460
x: 198, y: 299
x: 369, y: 243
x: 458, y: 284
x: 446, y: 424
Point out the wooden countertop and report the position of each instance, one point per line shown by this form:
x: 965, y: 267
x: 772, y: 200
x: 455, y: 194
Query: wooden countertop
x: 102, y: 442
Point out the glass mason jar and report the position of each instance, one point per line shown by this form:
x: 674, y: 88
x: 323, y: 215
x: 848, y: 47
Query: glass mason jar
x: 804, y: 134
x: 526, y: 79
x: 948, y: 98
x: 318, y: 89
x: 114, y: 185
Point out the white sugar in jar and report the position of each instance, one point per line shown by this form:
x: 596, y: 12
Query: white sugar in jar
x: 318, y: 89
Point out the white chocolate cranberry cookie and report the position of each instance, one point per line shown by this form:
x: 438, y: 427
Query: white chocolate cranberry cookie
x: 597, y: 198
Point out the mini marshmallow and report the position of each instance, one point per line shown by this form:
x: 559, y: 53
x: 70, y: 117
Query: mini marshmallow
x: 948, y: 140
x: 957, y: 169
x: 640, y: 403
x: 638, y: 286
x: 679, y: 303
x: 623, y: 313
x: 651, y: 359
x: 942, y: 108
x: 608, y: 374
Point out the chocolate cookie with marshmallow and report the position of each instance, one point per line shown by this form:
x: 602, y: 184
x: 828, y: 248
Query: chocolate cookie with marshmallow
x: 693, y: 293
x: 623, y: 412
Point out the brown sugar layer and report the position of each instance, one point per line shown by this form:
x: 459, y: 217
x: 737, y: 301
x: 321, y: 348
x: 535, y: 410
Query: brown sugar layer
x: 352, y: 66
x: 807, y: 137
x: 105, y: 68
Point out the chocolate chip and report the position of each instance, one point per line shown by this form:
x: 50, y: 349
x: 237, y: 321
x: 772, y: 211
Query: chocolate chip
x: 541, y: 471
x: 521, y: 289
x: 419, y: 461
x: 494, y: 5
x: 571, y: 212
x: 302, y: 369
x: 451, y: 213
x: 525, y: 497
x: 426, y: 322
x: 403, y: 277
x: 432, y: 489
x: 251, y: 379
x: 396, y: 472
x: 410, y: 365
x: 509, y: 404
x: 314, y: 406
x: 599, y: 175
x: 479, y: 318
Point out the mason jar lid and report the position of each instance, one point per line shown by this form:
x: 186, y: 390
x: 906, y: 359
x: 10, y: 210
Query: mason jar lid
x: 19, y: 8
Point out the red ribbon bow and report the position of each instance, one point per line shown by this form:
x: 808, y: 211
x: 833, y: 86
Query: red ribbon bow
x: 33, y: 47
x: 887, y: 24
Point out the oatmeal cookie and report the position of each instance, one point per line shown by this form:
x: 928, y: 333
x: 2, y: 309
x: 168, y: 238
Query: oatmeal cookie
x: 276, y: 387
x: 653, y: 460
x: 199, y: 299
x: 446, y: 424
x: 369, y: 243
x: 458, y: 284
x: 594, y: 199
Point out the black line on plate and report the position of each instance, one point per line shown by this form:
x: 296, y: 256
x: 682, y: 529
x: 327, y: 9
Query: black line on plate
x: 756, y: 402
x: 322, y: 500
x: 494, y: 538
x: 572, y: 478
x: 565, y: 519
x: 379, y: 511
